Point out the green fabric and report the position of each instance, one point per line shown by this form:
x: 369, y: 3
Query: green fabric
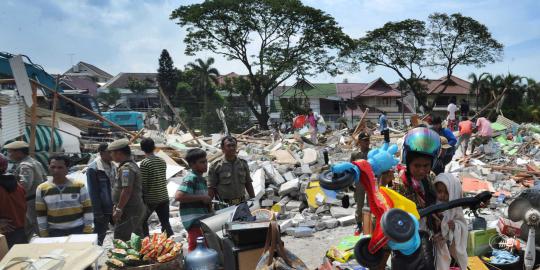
x: 190, y: 213
x: 43, y: 140
x: 498, y: 127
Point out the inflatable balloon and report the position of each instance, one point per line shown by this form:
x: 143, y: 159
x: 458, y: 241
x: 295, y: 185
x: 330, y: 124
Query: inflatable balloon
x: 382, y: 159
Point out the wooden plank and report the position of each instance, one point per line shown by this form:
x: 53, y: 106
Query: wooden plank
x: 53, y: 119
x: 33, y: 122
x: 132, y: 140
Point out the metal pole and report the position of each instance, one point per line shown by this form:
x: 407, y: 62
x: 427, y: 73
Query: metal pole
x: 352, y: 121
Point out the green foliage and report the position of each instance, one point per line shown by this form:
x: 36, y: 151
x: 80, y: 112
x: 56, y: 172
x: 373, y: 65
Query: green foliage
x: 110, y: 98
x: 409, y: 46
x: 291, y: 38
x: 517, y: 97
x: 139, y: 87
x: 167, y: 76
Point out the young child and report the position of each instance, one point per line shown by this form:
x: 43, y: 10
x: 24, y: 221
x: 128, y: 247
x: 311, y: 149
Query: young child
x: 193, y: 196
x: 452, y: 240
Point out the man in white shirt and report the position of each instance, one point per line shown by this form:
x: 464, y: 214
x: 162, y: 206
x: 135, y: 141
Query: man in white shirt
x: 451, y: 118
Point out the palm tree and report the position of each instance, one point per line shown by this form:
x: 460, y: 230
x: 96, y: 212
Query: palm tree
x: 477, y: 84
x: 205, y: 75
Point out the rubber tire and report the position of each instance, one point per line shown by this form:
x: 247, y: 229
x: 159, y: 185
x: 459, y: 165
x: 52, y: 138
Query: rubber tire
x: 327, y: 181
x: 364, y: 257
x: 390, y: 228
x: 422, y: 259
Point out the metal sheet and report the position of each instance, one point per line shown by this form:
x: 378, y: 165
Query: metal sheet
x: 21, y: 79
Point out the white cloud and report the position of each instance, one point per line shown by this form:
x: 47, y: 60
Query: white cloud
x: 128, y: 35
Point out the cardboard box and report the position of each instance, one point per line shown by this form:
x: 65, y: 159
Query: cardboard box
x: 77, y: 256
x: 478, y: 241
x: 3, y: 246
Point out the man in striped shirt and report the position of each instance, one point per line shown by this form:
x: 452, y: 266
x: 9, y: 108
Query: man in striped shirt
x: 154, y: 187
x: 63, y: 205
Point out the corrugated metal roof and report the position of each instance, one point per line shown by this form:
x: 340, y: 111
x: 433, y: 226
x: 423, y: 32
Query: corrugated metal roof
x: 12, y: 121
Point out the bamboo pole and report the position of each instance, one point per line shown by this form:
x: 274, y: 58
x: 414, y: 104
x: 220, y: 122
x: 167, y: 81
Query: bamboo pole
x: 53, y: 120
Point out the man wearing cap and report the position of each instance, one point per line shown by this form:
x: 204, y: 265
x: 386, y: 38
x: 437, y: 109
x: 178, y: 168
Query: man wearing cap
x: 128, y: 209
x: 436, y: 125
x: 359, y: 192
x: 440, y: 164
x: 228, y: 178
x: 30, y: 174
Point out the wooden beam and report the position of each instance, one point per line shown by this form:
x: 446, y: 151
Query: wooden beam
x: 177, y: 115
x: 97, y: 115
x: 33, y: 122
x: 490, y: 104
x: 132, y: 140
x: 53, y: 120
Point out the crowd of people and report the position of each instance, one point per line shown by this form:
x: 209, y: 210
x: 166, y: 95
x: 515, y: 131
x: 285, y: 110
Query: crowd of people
x: 422, y: 179
x: 117, y: 194
x: 122, y: 194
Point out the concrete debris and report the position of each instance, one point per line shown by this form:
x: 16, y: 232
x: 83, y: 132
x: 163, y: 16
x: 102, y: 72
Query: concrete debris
x: 347, y: 221
x: 310, y: 156
x: 302, y: 232
x: 292, y: 205
x: 330, y: 223
x: 272, y: 173
x: 289, y: 187
x: 339, y: 212
x: 284, y: 157
x: 289, y: 176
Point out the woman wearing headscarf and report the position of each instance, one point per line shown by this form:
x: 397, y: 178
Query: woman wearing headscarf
x: 451, y: 242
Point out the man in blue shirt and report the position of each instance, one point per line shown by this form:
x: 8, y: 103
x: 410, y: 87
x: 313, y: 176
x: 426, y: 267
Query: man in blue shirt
x: 436, y: 125
x: 383, y: 127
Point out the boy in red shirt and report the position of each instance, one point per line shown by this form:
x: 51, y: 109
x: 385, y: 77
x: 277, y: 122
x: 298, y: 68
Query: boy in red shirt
x: 465, y: 131
x: 13, y: 210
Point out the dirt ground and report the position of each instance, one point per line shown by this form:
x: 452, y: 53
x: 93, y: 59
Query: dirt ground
x: 312, y: 250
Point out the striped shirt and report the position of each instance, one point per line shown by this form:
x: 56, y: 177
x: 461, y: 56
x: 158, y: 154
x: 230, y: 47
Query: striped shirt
x: 192, y: 212
x: 63, y: 207
x: 154, y: 180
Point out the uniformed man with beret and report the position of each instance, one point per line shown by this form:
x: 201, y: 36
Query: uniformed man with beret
x: 228, y: 177
x: 128, y: 209
x: 30, y: 174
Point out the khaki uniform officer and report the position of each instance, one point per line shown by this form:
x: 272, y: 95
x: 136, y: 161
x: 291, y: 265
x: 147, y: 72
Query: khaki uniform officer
x: 30, y: 174
x: 128, y: 209
x: 228, y: 178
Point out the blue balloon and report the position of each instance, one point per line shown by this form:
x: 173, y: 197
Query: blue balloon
x: 346, y: 167
x: 382, y: 159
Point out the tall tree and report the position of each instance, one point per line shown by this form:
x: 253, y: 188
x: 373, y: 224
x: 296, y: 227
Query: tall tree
x: 273, y: 39
x: 457, y: 40
x: 206, y: 76
x: 448, y: 41
x: 477, y: 88
x: 167, y: 76
x: 109, y: 98
x: 204, y: 81
x: 399, y: 46
x: 138, y: 86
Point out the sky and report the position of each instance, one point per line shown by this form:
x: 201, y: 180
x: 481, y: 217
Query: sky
x: 129, y: 35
